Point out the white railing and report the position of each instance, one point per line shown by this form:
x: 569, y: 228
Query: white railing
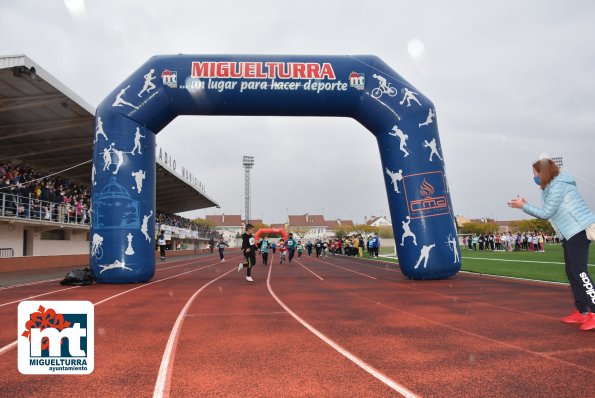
x: 29, y: 208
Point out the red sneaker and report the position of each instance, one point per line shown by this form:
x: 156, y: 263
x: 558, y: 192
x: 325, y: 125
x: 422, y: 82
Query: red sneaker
x: 589, y: 323
x: 575, y: 317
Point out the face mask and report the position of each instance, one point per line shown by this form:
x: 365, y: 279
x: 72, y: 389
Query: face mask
x: 537, y: 180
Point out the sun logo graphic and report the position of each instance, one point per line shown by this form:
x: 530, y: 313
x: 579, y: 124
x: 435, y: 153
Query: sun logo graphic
x: 357, y: 80
x: 170, y: 78
x: 426, y: 194
x: 56, y: 337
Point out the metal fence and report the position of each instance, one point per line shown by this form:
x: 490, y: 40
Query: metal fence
x: 29, y: 208
x: 6, y: 252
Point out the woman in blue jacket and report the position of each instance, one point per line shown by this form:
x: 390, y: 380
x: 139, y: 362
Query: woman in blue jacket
x: 565, y: 209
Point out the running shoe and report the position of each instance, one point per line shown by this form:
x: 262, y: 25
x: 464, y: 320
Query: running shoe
x: 589, y: 323
x: 240, y: 267
x: 223, y: 260
x: 575, y: 317
x: 249, y: 279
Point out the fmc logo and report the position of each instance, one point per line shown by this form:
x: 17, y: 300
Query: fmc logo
x: 426, y: 194
x: 56, y: 337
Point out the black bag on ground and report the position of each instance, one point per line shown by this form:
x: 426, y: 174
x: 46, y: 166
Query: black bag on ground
x: 78, y: 277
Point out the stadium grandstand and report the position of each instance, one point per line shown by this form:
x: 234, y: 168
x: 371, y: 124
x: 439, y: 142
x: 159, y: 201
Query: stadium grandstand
x: 46, y: 141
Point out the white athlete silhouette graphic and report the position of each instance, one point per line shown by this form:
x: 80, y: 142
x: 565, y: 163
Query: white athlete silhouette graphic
x: 116, y: 264
x: 137, y: 137
x: 398, y: 176
x: 432, y: 146
x: 429, y: 119
x: 96, y: 243
x: 120, y: 156
x: 93, y: 172
x: 424, y: 255
x: 107, y: 157
x: 145, y: 227
x: 407, y: 232
x: 148, y: 83
x: 139, y: 176
x: 129, y: 250
x: 383, y: 87
x: 120, y: 101
x: 409, y: 96
x: 452, y: 244
x: 397, y: 132
x: 99, y: 130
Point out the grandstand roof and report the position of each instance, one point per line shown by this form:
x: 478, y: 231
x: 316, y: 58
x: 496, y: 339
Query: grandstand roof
x: 50, y: 128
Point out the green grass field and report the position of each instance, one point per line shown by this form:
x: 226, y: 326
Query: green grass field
x: 548, y: 266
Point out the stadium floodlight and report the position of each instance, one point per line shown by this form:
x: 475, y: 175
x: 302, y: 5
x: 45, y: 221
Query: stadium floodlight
x: 248, y: 163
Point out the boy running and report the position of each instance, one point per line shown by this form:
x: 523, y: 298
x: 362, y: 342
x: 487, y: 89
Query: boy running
x: 291, y: 246
x: 318, y: 247
x: 309, y: 247
x: 282, y: 249
x: 264, y: 249
x: 300, y: 249
x: 249, y: 250
x: 221, y: 246
x: 162, y: 245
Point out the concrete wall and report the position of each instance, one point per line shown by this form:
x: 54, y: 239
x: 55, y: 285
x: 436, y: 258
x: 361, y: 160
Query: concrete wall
x: 11, y: 236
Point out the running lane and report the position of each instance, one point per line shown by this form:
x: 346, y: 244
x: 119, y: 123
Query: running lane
x: 438, y: 346
x: 131, y: 331
x: 10, y: 298
x: 236, y: 341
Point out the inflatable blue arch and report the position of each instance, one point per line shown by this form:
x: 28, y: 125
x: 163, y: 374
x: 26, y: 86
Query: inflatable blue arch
x: 360, y: 87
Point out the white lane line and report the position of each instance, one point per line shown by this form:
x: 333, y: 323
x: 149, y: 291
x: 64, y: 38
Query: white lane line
x: 38, y: 295
x: 518, y: 261
x: 310, y: 271
x: 356, y: 360
x: 72, y: 287
x: 162, y: 384
x: 347, y: 269
x: 514, y: 278
x: 30, y: 283
x: 368, y: 265
x: 7, y: 347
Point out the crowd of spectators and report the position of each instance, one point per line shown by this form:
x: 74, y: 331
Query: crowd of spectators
x: 519, y: 241
x: 30, y: 194
x: 174, y: 220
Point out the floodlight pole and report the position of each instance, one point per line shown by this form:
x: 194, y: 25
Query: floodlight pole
x: 248, y: 163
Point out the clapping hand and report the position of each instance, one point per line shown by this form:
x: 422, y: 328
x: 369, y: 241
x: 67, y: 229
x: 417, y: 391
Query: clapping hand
x: 517, y: 203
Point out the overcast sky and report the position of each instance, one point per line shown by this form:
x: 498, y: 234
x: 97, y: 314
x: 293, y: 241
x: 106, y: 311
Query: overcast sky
x: 510, y: 80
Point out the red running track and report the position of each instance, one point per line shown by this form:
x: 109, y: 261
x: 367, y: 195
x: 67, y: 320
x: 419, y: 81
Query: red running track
x: 337, y: 327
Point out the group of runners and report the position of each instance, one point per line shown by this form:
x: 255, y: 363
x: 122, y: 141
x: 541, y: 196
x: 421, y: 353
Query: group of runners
x: 288, y: 248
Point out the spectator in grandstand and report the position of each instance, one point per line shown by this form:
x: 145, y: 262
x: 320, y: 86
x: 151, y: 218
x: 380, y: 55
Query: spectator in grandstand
x: 566, y: 210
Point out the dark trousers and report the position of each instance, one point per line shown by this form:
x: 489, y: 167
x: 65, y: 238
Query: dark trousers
x: 291, y: 254
x: 265, y: 257
x: 162, y: 251
x: 221, y: 254
x: 318, y: 252
x: 250, y: 261
x: 576, y: 257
